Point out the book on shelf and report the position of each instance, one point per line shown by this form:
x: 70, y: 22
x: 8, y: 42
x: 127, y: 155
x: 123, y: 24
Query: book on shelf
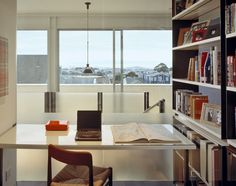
x: 213, y: 29
x: 231, y: 70
x: 234, y: 121
x: 216, y: 68
x: 191, y: 69
x: 216, y: 166
x: 205, y: 67
x: 230, y: 18
x: 196, y: 105
x: 142, y: 133
x: 194, y: 155
x: 204, y: 56
x: 179, y: 6
x: 184, y: 94
x: 210, y: 172
x: 204, y: 157
x: 182, y: 35
x: 189, y: 102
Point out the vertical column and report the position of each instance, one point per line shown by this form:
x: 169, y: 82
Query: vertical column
x: 53, y: 61
x: 50, y: 102
x: 146, y: 100
x: 114, y: 61
x: 100, y: 103
x: 53, y: 67
x: 122, y: 62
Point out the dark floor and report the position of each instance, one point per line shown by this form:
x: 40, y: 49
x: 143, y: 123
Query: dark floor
x: 115, y: 183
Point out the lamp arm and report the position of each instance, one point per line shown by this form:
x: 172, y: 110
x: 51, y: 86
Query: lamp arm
x: 156, y: 104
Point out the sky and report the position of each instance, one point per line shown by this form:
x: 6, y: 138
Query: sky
x: 141, y: 48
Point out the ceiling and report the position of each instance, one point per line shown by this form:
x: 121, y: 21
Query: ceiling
x: 97, y: 6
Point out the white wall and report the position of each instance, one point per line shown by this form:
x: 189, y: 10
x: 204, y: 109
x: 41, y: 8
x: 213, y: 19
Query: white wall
x: 8, y: 30
x: 8, y: 102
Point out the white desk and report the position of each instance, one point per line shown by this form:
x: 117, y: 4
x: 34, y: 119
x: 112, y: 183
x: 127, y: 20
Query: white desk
x: 34, y: 136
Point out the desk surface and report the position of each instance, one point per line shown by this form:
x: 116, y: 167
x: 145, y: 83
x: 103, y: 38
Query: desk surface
x: 34, y: 136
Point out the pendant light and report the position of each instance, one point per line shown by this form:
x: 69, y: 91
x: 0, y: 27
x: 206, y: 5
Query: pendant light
x: 88, y: 69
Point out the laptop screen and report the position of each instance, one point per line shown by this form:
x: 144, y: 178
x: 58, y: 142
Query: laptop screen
x: 88, y: 119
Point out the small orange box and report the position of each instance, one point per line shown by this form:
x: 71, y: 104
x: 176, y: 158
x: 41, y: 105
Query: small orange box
x: 57, y: 125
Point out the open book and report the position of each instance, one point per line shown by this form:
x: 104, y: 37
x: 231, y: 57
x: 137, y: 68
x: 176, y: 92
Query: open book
x: 142, y: 133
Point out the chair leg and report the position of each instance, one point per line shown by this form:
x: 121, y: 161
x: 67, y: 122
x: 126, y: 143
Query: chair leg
x: 110, y: 177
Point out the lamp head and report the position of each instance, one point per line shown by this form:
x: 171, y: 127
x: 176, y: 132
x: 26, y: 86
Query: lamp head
x: 88, y: 70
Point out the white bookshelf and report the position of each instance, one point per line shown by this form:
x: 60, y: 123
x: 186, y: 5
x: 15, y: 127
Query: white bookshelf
x: 210, y: 132
x: 232, y: 89
x: 231, y: 35
x: 194, y: 46
x: 196, y: 83
x: 198, y: 9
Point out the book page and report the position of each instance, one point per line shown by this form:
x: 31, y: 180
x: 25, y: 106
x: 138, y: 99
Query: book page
x: 158, y: 133
x: 127, y: 133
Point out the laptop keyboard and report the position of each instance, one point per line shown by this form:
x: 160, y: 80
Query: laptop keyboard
x: 89, y: 134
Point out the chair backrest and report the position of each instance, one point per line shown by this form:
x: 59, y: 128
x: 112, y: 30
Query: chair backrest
x: 71, y: 158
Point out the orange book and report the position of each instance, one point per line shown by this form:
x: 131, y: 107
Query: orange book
x: 192, y: 97
x: 57, y: 125
x: 197, y: 107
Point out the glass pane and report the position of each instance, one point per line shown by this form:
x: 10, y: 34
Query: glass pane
x: 147, y: 56
x: 32, y: 56
x: 73, y: 57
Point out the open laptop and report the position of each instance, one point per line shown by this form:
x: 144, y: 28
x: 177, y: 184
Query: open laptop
x: 88, y: 125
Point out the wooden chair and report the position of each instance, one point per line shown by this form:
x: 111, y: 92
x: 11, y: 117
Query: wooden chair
x: 78, y: 171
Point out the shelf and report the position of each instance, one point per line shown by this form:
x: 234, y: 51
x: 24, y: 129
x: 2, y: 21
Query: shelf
x: 232, y: 89
x: 231, y: 35
x: 195, y: 45
x: 197, y: 83
x: 198, y: 9
x: 210, y: 132
x: 232, y: 142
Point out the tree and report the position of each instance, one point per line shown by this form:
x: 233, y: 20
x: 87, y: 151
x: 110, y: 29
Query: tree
x: 132, y: 74
x: 161, y: 68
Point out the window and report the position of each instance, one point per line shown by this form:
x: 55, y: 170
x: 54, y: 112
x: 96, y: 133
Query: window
x: 147, y: 57
x: 32, y: 57
x: 73, y: 57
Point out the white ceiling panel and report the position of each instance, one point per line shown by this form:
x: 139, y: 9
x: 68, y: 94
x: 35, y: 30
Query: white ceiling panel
x: 97, y: 6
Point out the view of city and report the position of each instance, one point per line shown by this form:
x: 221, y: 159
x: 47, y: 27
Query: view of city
x: 161, y: 74
x: 147, y: 57
x: 33, y: 69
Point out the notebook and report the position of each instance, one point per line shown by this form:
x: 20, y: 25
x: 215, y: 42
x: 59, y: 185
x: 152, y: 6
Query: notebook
x: 88, y: 125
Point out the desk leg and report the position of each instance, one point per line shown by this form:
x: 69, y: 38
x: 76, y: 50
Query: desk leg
x: 186, y: 168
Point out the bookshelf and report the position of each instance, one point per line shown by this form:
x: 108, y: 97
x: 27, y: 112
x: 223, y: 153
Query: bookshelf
x: 198, y: 9
x: 198, y: 12
x: 218, y: 92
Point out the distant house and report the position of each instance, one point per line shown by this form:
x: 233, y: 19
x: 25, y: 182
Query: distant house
x: 156, y: 78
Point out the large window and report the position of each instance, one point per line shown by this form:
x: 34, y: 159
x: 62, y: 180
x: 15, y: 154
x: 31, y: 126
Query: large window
x: 32, y: 56
x: 147, y: 56
x: 146, y: 59
x: 73, y: 57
